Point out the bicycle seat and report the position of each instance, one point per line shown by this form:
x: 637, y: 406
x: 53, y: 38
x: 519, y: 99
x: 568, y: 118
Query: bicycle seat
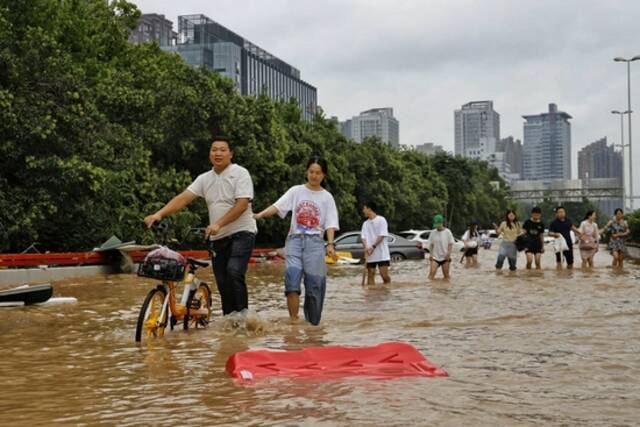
x: 197, y: 263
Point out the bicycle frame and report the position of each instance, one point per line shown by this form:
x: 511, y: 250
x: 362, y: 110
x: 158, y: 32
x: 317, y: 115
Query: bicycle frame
x: 178, y: 311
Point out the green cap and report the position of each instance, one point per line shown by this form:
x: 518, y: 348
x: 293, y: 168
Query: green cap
x: 438, y: 220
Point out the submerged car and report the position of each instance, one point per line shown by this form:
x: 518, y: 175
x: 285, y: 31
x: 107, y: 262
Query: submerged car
x: 422, y: 236
x: 399, y: 247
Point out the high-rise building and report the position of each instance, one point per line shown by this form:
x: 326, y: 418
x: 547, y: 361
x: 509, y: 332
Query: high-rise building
x: 345, y: 129
x: 512, y: 149
x: 429, y: 148
x: 202, y: 42
x: 377, y: 122
x: 153, y: 28
x: 477, y: 129
x: 547, y: 145
x: 599, y: 160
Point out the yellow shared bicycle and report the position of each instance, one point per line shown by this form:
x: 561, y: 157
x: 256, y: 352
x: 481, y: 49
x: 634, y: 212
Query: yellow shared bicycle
x: 160, y: 308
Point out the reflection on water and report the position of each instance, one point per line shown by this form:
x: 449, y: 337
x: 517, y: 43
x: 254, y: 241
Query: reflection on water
x: 530, y: 347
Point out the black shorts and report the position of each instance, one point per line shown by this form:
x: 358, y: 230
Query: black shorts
x: 471, y: 251
x: 441, y: 263
x: 378, y: 264
x: 534, y: 248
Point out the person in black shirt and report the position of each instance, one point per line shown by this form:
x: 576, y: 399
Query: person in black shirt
x: 561, y: 227
x: 534, y: 231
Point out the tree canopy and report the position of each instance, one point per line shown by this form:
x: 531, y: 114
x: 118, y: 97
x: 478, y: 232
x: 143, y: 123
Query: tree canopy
x: 96, y: 133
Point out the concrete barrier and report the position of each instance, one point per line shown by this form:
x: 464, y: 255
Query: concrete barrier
x: 633, y: 250
x: 20, y: 276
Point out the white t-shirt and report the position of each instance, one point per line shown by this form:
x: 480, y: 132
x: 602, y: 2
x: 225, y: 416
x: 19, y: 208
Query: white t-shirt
x: 371, y: 230
x: 441, y: 241
x: 471, y: 241
x: 221, y: 192
x: 313, y: 211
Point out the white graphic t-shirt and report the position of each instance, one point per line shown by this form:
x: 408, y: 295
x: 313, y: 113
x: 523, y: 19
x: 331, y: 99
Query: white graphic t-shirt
x: 371, y: 230
x: 313, y: 211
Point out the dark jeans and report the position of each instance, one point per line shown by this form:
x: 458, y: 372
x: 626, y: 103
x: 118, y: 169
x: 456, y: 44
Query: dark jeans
x: 568, y: 256
x: 230, y: 259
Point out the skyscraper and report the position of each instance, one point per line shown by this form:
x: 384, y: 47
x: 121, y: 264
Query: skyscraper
x: 512, y: 149
x: 153, y: 28
x: 599, y: 160
x: 477, y: 129
x: 377, y: 122
x: 547, y: 145
x: 202, y: 42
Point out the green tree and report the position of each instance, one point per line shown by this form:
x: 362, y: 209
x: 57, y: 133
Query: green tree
x: 95, y: 133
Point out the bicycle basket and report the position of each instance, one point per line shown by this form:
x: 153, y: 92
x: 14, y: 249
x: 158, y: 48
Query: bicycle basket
x: 163, y: 264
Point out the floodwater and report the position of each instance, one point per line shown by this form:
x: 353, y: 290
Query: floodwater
x: 530, y: 348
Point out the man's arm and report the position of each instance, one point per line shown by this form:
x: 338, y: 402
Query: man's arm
x: 379, y: 240
x: 376, y: 243
x: 552, y: 232
x: 174, y: 205
x: 364, y: 244
x: 232, y: 214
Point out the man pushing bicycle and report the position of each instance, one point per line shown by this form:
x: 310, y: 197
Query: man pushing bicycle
x: 228, y: 191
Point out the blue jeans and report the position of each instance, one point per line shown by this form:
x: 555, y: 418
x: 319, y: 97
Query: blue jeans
x: 305, y: 259
x: 507, y: 250
x: 230, y: 260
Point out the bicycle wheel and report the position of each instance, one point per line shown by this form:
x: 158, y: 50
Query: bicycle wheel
x: 199, y: 299
x: 148, y: 326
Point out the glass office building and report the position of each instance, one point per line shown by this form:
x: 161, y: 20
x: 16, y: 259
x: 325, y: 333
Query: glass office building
x: 203, y: 42
x: 547, y: 145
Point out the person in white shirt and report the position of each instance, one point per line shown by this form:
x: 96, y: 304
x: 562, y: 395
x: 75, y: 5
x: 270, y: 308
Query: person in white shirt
x: 471, y: 239
x: 314, y: 212
x: 440, y: 244
x: 228, y: 191
x: 374, y: 240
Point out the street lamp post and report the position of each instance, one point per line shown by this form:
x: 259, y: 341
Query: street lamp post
x: 622, y: 145
x: 629, y: 61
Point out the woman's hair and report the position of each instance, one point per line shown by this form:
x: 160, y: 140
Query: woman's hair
x: 588, y: 214
x: 616, y: 211
x: 473, y: 229
x: 508, y: 221
x: 320, y: 162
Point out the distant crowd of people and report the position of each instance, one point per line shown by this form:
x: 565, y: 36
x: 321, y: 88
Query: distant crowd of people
x: 530, y: 238
x: 228, y: 191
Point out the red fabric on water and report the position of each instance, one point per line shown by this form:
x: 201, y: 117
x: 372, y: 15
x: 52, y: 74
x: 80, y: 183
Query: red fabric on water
x: 387, y: 360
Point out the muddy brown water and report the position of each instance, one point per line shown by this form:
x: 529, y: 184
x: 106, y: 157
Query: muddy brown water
x: 530, y: 348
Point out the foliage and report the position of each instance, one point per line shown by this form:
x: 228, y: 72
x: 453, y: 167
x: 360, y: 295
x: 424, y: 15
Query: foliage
x: 96, y: 133
x: 634, y: 225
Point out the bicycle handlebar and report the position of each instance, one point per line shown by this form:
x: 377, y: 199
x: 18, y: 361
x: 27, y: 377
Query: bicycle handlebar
x: 160, y: 227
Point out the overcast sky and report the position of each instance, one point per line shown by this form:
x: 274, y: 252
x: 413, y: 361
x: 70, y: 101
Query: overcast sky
x: 426, y: 58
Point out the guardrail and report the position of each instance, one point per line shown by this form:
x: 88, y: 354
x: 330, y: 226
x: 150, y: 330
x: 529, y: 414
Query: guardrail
x: 567, y: 194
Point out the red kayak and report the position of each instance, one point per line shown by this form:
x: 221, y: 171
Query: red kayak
x: 388, y: 360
